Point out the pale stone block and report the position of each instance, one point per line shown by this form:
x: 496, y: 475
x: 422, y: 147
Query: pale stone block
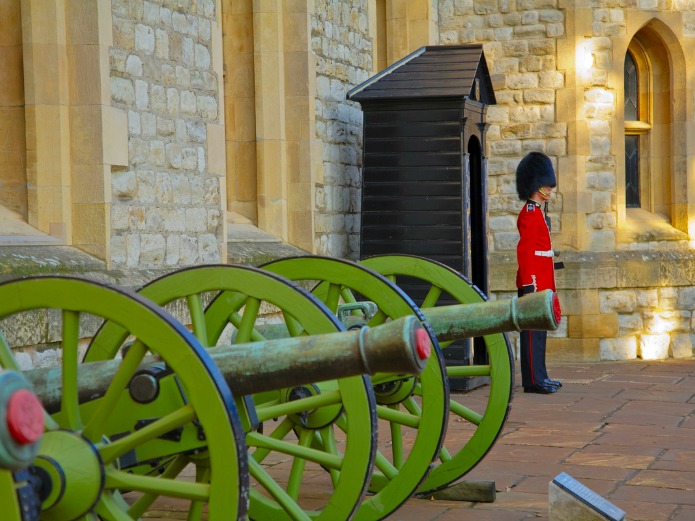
x: 617, y: 301
x: 148, y: 124
x: 163, y: 189
x: 214, y: 220
x: 122, y: 91
x: 172, y: 250
x: 175, y: 219
x: 187, y: 53
x: 115, y: 136
x: 86, y: 128
x: 502, y: 223
x: 621, y: 348
x: 668, y: 298
x: 174, y: 155
x: 146, y: 181
x: 119, y: 222
x: 142, y: 99
x: 602, y: 240
x: 216, y: 150
x: 209, y: 250
x: 152, y: 249
x: 202, y: 56
x: 202, y: 164
x: 144, y: 39
x: 681, y: 346
x: 157, y: 153
x: 179, y: 22
x: 204, y: 29
x: 181, y: 188
x: 154, y: 220
x: 124, y: 185
x: 561, y: 331
x: 188, y: 103
x: 118, y: 250
x: 579, y: 301
x: 24, y: 361
x: 158, y: 98
x: 630, y: 324
x: 161, y: 44
x: 189, y: 158
x: 600, y: 221
x: 188, y: 250
x: 667, y: 322
x: 167, y: 76
x: 593, y: 326
x: 47, y: 358
x: 678, y: 272
x: 165, y: 127
x: 686, y: 298
x: 635, y: 271
x: 137, y: 151
x: 134, y: 123
x: 172, y: 101
x: 196, y: 131
x: 133, y: 66
x: 183, y: 77
x: 648, y: 298
x: 654, y: 347
x: 207, y: 107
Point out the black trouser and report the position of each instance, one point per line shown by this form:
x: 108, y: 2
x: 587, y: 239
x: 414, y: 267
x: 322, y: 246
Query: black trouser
x: 532, y: 354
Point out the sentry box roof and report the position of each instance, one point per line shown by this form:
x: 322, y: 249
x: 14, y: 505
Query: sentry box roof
x: 431, y: 72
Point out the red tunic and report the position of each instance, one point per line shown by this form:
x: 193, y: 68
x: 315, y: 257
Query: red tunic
x: 534, y: 251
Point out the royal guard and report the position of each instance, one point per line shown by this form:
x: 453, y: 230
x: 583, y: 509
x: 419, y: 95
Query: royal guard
x: 535, y: 180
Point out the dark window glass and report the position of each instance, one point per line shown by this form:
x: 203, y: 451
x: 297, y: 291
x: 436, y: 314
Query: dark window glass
x: 631, y: 89
x: 632, y: 171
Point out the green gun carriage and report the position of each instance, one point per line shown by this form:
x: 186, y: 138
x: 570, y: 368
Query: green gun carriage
x: 420, y: 408
x: 239, y: 300
x: 123, y: 424
x: 330, y: 425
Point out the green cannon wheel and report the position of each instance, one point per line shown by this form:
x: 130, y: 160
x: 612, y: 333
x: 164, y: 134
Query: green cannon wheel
x: 240, y: 295
x: 82, y: 459
x: 487, y: 419
x: 412, y: 411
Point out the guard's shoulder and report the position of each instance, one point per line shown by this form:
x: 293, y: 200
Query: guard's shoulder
x: 531, y: 206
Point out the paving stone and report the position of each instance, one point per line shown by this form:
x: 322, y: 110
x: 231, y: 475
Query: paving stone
x: 664, y: 479
x: 668, y: 496
x: 628, y: 440
x: 611, y: 460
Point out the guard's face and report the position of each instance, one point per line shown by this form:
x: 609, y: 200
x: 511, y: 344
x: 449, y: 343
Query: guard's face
x: 545, y: 192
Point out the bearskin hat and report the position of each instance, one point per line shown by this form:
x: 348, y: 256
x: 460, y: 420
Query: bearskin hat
x: 534, y: 170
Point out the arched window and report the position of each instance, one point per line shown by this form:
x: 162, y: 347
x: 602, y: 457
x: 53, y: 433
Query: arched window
x: 632, y: 113
x: 646, y: 194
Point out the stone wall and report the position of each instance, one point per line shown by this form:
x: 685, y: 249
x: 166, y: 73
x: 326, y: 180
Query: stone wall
x: 167, y: 206
x: 520, y: 49
x: 557, y: 73
x: 617, y: 306
x: 340, y: 40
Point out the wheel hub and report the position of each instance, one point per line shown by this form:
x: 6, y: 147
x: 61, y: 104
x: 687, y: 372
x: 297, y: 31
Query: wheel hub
x: 314, y: 418
x: 71, y: 473
x: 396, y: 391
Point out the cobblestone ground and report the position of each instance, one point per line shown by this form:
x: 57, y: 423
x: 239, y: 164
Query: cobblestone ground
x: 625, y: 430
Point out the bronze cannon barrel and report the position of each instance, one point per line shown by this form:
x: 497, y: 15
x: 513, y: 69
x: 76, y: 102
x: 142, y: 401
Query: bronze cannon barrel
x: 401, y: 346
x: 536, y: 311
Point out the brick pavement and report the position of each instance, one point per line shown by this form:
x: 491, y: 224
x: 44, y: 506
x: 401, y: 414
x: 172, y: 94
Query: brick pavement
x: 626, y: 430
